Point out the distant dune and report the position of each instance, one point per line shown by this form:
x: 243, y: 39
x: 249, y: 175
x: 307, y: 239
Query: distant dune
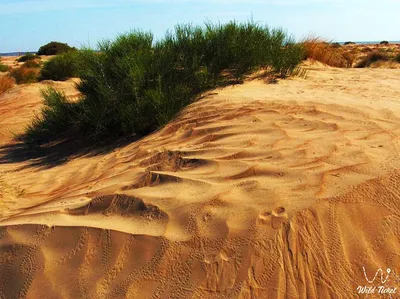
x: 286, y: 190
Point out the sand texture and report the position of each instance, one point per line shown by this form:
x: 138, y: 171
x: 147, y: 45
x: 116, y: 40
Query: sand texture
x: 257, y: 190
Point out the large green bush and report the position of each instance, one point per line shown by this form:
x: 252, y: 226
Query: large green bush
x: 61, y: 67
x: 54, y: 48
x: 134, y: 85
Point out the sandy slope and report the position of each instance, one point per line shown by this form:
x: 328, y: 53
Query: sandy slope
x: 256, y: 191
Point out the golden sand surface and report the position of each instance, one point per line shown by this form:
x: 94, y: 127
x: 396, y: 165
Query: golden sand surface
x: 286, y: 190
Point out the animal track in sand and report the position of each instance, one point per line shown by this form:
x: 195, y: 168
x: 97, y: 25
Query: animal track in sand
x: 274, y: 218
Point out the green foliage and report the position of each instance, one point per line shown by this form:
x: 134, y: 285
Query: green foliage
x: 54, y: 48
x: 371, y: 58
x: 27, y: 57
x: 384, y: 42
x: 134, y: 85
x: 57, y: 117
x: 61, y: 67
x: 3, y: 67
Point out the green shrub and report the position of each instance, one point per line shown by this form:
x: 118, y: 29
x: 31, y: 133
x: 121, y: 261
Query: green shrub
x: 397, y: 58
x: 27, y: 57
x: 134, y: 85
x: 384, y: 42
x: 54, y: 48
x: 56, y: 120
x: 371, y: 58
x: 3, y: 67
x: 60, y: 67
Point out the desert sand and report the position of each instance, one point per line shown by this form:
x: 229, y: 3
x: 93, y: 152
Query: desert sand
x: 259, y: 190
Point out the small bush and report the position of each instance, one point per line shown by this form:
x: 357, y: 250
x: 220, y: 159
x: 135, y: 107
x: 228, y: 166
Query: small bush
x: 27, y: 57
x: 54, y: 48
x: 397, y: 58
x: 3, y: 67
x: 371, y: 58
x: 61, y: 67
x: 6, y: 83
x: 349, y: 43
x: 318, y: 50
x: 24, y: 74
x: 384, y: 42
x: 55, y: 120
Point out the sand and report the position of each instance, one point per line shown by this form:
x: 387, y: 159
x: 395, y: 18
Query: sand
x: 286, y: 190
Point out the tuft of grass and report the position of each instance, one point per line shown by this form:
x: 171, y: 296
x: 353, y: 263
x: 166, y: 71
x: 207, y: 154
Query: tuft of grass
x: 24, y: 74
x: 6, y: 83
x: 134, y: 85
x: 319, y: 50
x: 61, y: 67
x: 371, y: 58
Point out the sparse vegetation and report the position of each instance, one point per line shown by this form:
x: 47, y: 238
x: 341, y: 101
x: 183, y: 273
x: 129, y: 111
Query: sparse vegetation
x: 6, y: 83
x: 61, y: 67
x: 134, y: 85
x: 54, y: 48
x: 371, y: 58
x: 319, y: 50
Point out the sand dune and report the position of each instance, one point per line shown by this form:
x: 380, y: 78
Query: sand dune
x: 258, y: 190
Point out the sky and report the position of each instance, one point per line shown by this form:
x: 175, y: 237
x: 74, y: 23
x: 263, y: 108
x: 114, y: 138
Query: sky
x: 25, y: 25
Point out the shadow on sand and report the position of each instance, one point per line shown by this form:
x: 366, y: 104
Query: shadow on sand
x: 57, y: 153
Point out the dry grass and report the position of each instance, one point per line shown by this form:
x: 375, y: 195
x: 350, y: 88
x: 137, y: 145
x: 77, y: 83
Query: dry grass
x: 371, y: 58
x: 330, y: 54
x: 6, y: 83
x: 25, y: 74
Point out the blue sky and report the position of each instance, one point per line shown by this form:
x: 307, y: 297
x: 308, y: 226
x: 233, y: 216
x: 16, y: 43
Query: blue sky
x: 25, y: 25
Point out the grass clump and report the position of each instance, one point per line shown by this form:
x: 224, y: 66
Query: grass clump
x: 25, y: 74
x: 372, y: 58
x: 134, y: 85
x: 6, y: 83
x: 319, y: 50
x: 54, y: 48
x: 61, y: 67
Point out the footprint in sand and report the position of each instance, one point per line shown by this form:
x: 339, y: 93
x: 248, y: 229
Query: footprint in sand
x: 275, y: 218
